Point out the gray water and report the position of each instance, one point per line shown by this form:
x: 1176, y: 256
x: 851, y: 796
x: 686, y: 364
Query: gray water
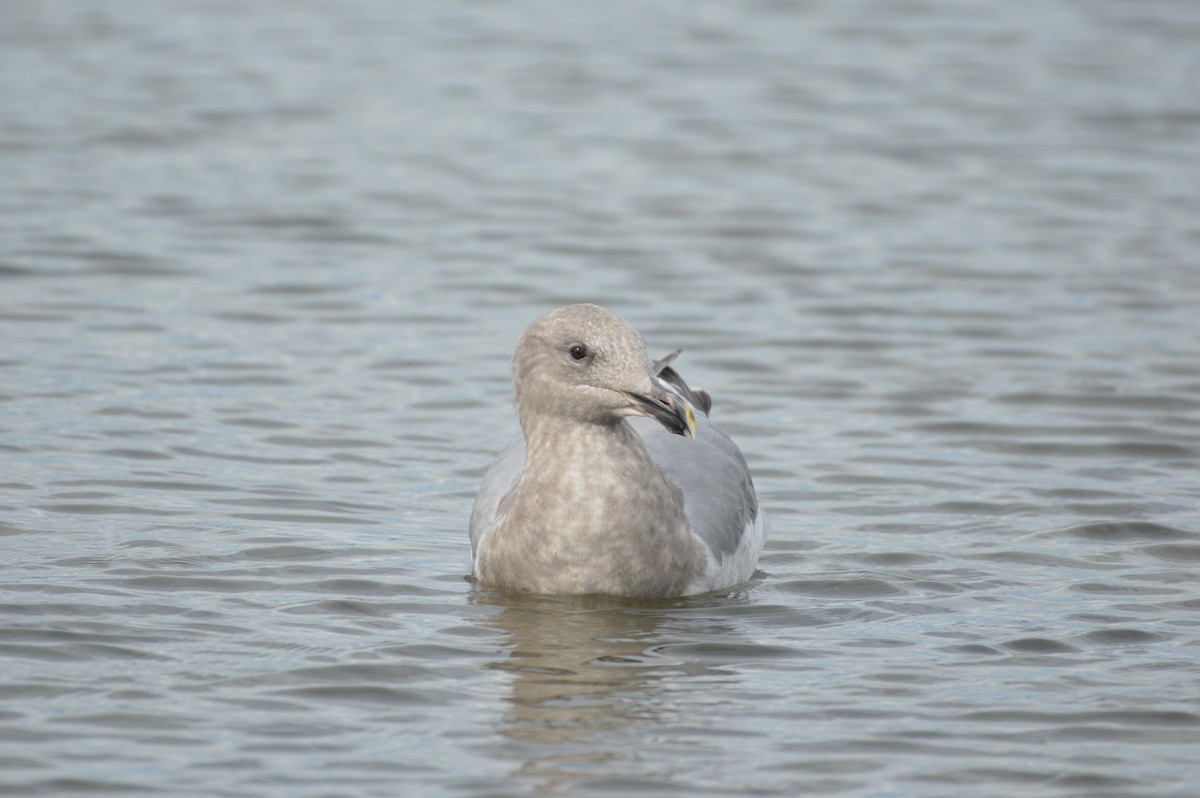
x: 262, y: 267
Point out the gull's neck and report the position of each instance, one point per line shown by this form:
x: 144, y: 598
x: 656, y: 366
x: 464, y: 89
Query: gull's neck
x: 596, y: 447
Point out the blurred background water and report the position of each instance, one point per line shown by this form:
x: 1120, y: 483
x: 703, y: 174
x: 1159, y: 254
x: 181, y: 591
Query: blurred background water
x: 262, y: 267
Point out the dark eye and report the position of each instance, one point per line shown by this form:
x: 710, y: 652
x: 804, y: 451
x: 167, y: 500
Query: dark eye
x: 579, y: 351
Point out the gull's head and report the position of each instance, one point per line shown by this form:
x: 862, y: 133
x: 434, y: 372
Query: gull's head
x: 586, y: 364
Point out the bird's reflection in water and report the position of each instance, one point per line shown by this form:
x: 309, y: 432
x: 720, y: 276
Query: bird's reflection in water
x: 585, y: 673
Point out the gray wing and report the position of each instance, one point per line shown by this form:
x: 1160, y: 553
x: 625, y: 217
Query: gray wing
x: 499, y: 480
x: 718, y: 493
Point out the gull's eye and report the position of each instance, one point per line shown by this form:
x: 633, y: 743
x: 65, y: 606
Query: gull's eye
x: 579, y: 351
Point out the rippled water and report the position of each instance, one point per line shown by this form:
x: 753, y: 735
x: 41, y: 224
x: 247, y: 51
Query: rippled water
x: 262, y: 269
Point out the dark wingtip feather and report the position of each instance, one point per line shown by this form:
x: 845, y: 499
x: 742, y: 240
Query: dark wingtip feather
x: 697, y: 397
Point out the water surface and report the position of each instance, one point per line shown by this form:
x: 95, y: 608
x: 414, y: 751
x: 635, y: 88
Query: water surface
x: 262, y: 270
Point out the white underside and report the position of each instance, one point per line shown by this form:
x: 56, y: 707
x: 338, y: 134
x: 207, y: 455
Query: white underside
x: 736, y: 567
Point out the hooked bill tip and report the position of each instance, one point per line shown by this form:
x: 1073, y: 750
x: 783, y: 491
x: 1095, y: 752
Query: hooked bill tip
x: 690, y: 417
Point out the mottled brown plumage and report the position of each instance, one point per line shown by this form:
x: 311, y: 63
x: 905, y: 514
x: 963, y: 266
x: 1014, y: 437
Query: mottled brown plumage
x: 582, y: 501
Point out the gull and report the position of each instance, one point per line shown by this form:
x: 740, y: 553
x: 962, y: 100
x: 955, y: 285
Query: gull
x: 618, y: 483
